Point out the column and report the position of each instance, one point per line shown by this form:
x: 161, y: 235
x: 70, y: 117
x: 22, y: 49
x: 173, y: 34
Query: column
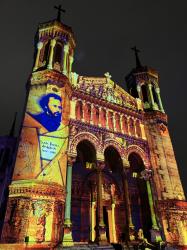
x: 130, y: 226
x: 114, y: 122
x: 91, y: 113
x: 66, y: 50
x: 99, y: 122
x: 121, y: 123
x: 83, y: 110
x: 142, y: 131
x: 39, y: 47
x: 71, y: 59
x: 51, y: 55
x: 113, y: 223
x: 153, y: 217
x: 151, y: 95
x: 101, y: 230
x: 67, y: 239
x: 93, y: 220
x: 107, y: 127
x: 155, y: 233
x: 157, y: 90
x: 139, y: 92
x: 135, y: 128
x: 128, y: 127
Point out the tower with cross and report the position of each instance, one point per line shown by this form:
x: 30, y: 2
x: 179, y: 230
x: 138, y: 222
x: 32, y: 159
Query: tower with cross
x: 60, y: 10
x: 143, y: 83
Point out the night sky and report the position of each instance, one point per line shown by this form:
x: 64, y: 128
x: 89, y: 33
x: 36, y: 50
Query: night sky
x: 105, y: 30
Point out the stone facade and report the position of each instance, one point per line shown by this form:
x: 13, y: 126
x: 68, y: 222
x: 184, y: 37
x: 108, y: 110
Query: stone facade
x: 95, y: 163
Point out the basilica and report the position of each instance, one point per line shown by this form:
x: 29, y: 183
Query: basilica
x: 94, y: 166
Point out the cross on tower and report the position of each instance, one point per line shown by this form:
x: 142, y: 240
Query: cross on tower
x: 138, y: 63
x: 59, y: 8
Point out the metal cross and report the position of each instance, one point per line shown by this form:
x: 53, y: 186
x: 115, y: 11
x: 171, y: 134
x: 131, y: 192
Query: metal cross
x: 138, y: 63
x: 59, y: 8
x: 135, y: 49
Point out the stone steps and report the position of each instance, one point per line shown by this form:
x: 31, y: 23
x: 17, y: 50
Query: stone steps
x: 86, y: 247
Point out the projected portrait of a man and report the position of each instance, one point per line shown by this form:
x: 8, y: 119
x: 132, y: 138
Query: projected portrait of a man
x: 51, y: 115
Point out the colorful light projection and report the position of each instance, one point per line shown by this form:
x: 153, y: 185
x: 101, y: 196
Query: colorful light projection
x: 44, y: 139
x: 50, y: 117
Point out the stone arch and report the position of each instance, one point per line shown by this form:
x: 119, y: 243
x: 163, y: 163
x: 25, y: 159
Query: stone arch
x: 58, y: 52
x: 84, y: 136
x: 44, y: 55
x: 116, y: 145
x: 138, y: 150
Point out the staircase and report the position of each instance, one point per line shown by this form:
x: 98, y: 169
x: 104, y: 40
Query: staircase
x: 86, y: 247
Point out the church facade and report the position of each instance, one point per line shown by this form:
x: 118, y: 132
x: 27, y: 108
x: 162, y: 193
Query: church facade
x: 95, y: 163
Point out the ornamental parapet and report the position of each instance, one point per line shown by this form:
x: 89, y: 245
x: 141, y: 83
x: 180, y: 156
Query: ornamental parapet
x: 157, y: 117
x: 127, y: 109
x: 35, y: 189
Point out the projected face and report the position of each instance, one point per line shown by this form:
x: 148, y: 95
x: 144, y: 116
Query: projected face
x: 54, y: 106
x: 50, y: 117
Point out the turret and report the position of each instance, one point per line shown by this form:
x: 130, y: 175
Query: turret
x: 143, y: 83
x: 54, y: 46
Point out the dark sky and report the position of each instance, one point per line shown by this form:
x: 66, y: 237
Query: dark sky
x: 105, y: 30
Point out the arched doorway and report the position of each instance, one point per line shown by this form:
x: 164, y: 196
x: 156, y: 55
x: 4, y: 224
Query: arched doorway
x: 140, y: 209
x: 81, y: 191
x: 114, y: 171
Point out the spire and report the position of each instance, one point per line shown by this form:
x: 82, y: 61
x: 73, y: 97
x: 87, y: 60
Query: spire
x: 59, y: 8
x: 138, y: 63
x: 12, y: 130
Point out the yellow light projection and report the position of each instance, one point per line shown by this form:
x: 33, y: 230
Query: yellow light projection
x: 44, y: 138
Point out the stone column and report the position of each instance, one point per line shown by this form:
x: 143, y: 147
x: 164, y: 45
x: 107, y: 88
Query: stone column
x: 99, y: 122
x: 157, y: 90
x: 114, y: 121
x: 151, y: 99
x: 67, y: 239
x: 51, y: 55
x: 91, y: 114
x: 71, y: 59
x: 139, y: 92
x: 135, y: 128
x: 130, y: 226
x: 121, y: 124
x: 113, y: 222
x: 39, y: 47
x: 128, y: 127
x: 107, y: 127
x: 101, y: 238
x: 83, y: 110
x: 142, y: 131
x: 155, y: 232
x: 65, y: 66
x: 93, y: 219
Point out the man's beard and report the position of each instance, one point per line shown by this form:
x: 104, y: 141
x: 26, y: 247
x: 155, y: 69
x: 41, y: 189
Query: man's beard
x: 56, y: 114
x: 54, y: 120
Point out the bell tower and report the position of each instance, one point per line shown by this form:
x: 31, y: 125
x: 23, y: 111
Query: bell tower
x: 143, y: 84
x: 55, y: 47
x: 36, y: 204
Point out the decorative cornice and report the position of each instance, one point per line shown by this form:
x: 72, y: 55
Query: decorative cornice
x: 130, y: 139
x: 156, y: 116
x: 126, y: 110
x: 51, y: 77
x: 36, y: 189
x: 55, y: 29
